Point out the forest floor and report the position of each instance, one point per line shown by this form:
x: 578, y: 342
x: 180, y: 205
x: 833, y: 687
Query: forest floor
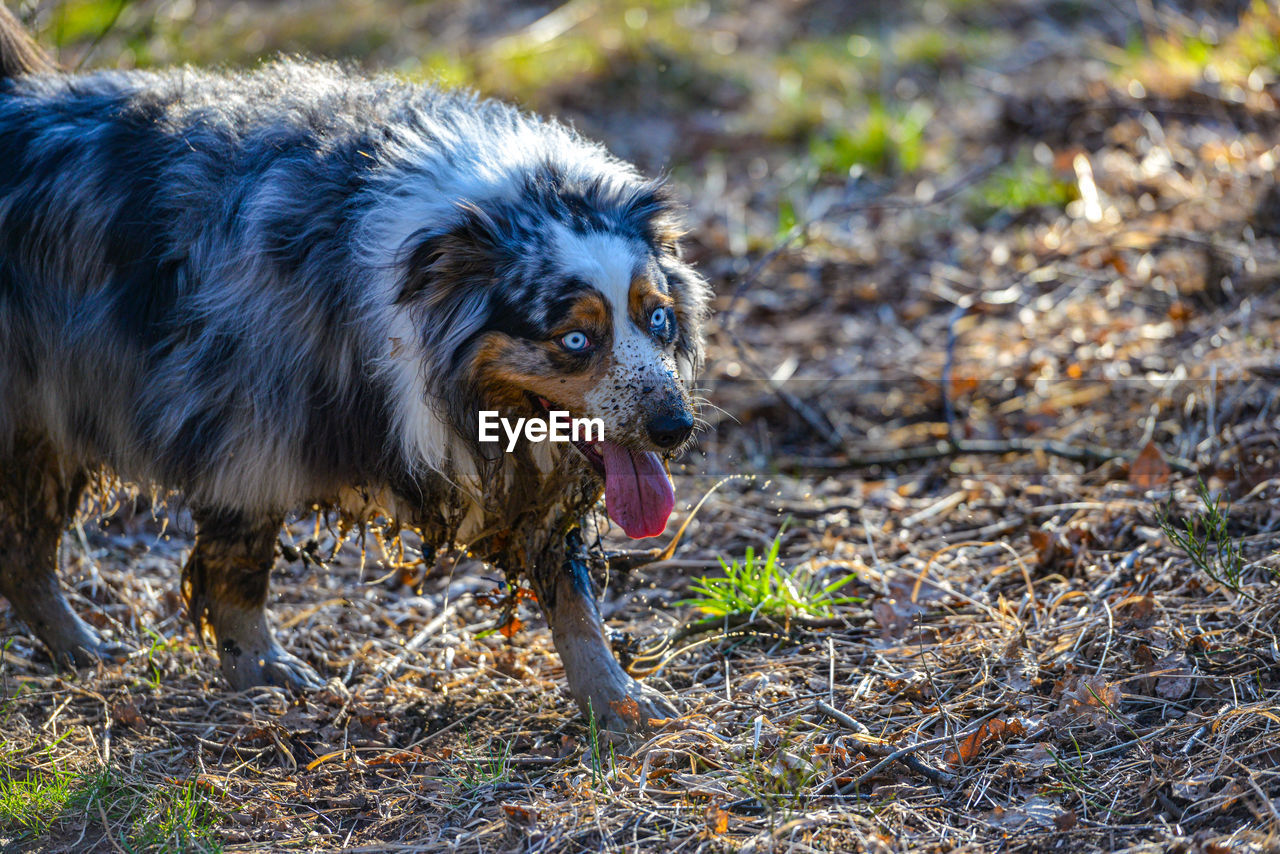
x: 998, y: 303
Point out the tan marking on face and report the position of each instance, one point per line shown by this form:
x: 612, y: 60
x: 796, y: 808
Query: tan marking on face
x: 643, y: 298
x: 588, y: 314
x: 507, y: 368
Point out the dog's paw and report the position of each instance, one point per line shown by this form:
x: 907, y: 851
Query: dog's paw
x: 628, y: 706
x: 273, y: 665
x: 289, y: 671
x: 79, y: 645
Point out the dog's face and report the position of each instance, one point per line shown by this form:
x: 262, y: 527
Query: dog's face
x: 600, y: 340
x: 593, y: 313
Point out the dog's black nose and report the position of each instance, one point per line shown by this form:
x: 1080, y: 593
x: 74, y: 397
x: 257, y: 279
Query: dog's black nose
x: 667, y: 431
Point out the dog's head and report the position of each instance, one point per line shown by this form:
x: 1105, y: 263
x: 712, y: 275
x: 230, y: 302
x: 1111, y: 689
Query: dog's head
x: 569, y: 297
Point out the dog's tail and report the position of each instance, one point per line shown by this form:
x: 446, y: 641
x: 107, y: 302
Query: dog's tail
x: 19, y: 53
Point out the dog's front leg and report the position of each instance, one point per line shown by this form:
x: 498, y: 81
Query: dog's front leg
x: 598, y: 683
x: 225, y: 585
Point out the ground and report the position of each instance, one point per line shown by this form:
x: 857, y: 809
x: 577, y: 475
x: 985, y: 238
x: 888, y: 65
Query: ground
x: 995, y: 347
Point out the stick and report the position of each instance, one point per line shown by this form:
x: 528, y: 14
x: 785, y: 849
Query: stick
x: 879, y: 748
x: 1087, y: 453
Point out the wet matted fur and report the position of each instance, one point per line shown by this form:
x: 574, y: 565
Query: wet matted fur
x: 299, y: 285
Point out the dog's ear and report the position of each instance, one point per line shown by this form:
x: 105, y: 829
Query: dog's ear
x: 447, y: 284
x: 441, y: 266
x: 653, y: 212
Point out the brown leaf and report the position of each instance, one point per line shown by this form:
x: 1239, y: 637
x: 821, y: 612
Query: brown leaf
x: 985, y: 737
x: 399, y: 757
x: 125, y: 713
x: 1175, y: 683
x: 1043, y: 543
x: 1065, y: 821
x: 1060, y: 550
x: 1138, y: 607
x: 520, y: 814
x: 1149, y: 470
x: 1092, y: 696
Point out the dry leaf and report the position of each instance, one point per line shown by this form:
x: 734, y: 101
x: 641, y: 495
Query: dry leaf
x: 400, y: 757
x: 717, y: 820
x: 125, y: 713
x: 520, y: 814
x: 1175, y: 682
x: 1149, y: 470
x: 1138, y: 607
x: 989, y: 735
x: 1043, y: 543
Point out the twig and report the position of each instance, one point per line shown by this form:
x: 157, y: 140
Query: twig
x: 879, y: 748
x: 944, y: 449
x: 744, y: 623
x: 106, y: 828
x: 1253, y: 784
x: 102, y: 34
x: 904, y: 756
x: 816, y: 420
x: 842, y: 719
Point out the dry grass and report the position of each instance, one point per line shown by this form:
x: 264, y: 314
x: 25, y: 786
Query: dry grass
x: 1034, y: 665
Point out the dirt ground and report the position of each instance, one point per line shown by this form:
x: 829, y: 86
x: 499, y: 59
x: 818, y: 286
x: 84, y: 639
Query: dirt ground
x: 998, y: 302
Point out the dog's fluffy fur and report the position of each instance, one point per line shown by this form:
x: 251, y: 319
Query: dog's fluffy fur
x: 300, y: 285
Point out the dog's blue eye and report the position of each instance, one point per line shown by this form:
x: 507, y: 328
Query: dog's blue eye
x: 575, y: 342
x: 658, y: 320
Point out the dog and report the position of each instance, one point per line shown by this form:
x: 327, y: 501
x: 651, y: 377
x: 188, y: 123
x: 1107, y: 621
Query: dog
x: 299, y: 286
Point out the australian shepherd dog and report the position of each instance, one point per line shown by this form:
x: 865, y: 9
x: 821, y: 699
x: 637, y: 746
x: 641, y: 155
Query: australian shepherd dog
x: 300, y: 286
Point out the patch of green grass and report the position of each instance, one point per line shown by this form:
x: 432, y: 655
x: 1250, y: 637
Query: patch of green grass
x: 140, y: 816
x: 779, y: 780
x: 612, y: 45
x: 30, y: 803
x: 760, y: 585
x: 600, y: 767
x: 1205, y: 538
x: 886, y: 139
x: 79, y: 20
x: 1174, y: 58
x: 1018, y: 186
x: 929, y: 46
x: 479, y: 768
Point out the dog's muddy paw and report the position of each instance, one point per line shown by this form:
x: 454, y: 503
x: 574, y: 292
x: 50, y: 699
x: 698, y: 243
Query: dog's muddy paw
x: 273, y: 666
x: 631, y: 708
x: 85, y: 648
x: 293, y: 673
x: 114, y: 651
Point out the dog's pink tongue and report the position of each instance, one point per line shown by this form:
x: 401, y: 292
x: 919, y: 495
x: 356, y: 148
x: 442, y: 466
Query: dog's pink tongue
x: 637, y: 492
